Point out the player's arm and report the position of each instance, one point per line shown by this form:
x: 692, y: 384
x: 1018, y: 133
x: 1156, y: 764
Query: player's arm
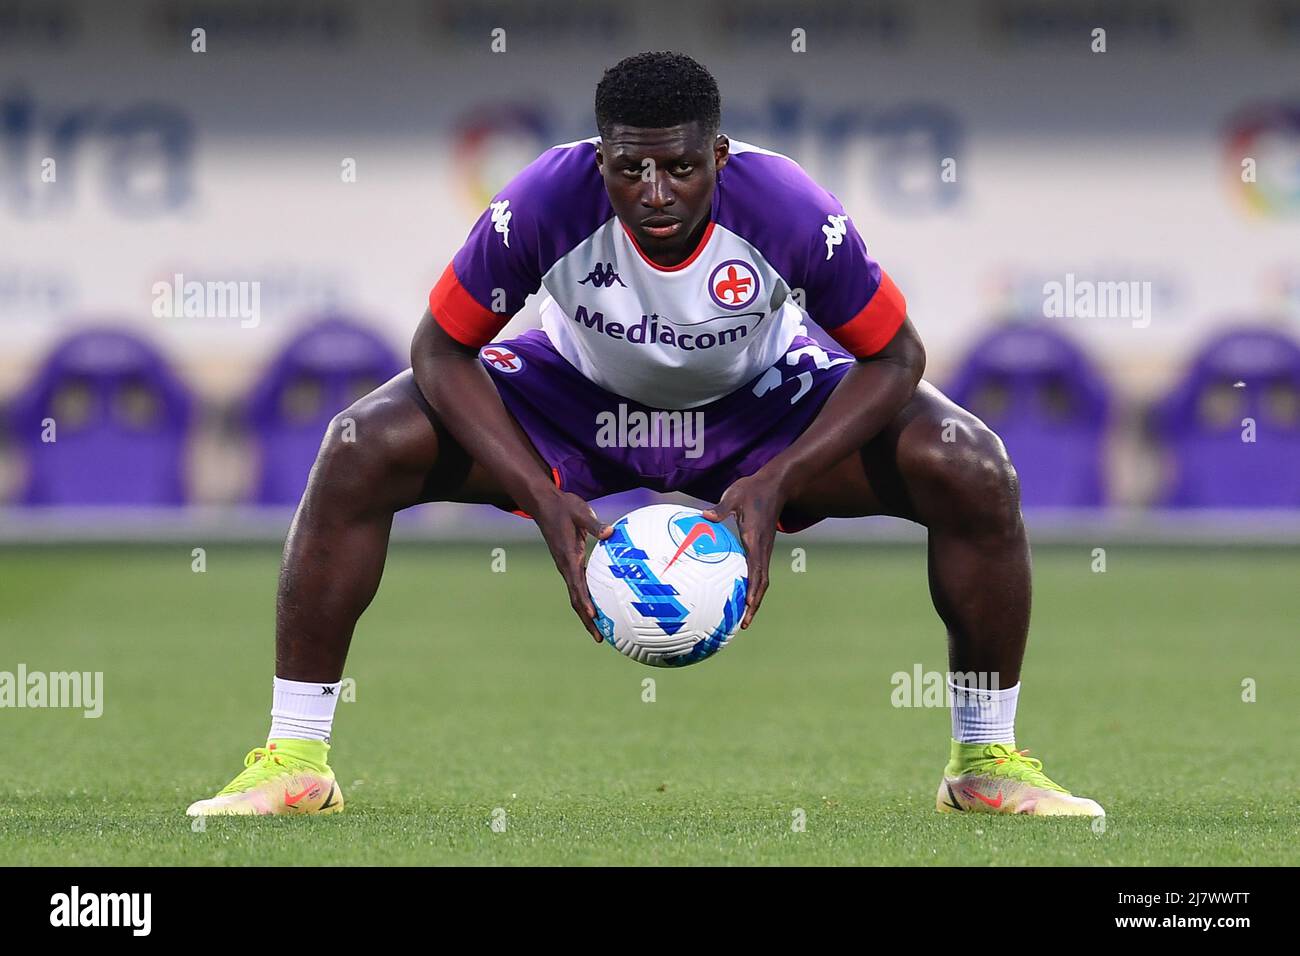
x: 866, y: 399
x: 461, y: 393
x: 499, y: 266
x: 858, y: 304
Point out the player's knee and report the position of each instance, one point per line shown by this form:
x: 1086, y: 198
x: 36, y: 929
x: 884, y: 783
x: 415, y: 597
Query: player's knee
x: 991, y: 487
x: 970, y: 474
x: 358, y: 450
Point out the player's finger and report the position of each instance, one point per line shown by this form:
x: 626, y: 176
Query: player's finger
x: 582, y: 605
x: 567, y: 554
x: 758, y: 581
x: 587, y: 621
x: 754, y: 595
x: 721, y: 511
x: 593, y: 630
x: 590, y: 523
x: 598, y: 528
x: 748, y: 533
x: 758, y: 542
x: 576, y: 580
x: 569, y: 562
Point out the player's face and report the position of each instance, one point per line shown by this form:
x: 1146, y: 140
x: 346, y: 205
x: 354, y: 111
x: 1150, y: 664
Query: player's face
x: 660, y: 183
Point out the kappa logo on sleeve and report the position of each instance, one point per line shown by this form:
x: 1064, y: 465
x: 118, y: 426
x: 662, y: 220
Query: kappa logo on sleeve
x: 501, y: 216
x: 835, y: 230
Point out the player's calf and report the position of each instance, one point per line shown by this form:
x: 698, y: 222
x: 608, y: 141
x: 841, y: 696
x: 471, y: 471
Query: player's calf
x: 375, y: 458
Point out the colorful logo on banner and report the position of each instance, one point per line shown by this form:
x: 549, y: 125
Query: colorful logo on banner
x: 1263, y: 160
x: 490, y: 147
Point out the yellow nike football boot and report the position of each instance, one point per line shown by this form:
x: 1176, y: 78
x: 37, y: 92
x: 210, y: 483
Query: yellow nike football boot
x: 997, y: 778
x: 284, y: 777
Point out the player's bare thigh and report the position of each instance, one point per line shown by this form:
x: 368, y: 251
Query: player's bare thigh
x: 420, y: 461
x: 882, y: 479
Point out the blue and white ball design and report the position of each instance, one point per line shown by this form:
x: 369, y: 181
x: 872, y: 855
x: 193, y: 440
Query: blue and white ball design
x: 669, y: 585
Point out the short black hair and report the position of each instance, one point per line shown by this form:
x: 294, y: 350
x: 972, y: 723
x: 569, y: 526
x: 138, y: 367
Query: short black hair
x: 657, y: 90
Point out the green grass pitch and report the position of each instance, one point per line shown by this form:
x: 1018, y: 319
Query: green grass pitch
x: 476, y: 694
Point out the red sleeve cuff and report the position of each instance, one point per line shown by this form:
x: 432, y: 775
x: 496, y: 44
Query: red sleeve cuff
x: 460, y: 314
x: 876, y: 324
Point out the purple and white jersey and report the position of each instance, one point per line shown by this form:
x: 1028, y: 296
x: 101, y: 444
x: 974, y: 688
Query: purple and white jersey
x: 778, y: 250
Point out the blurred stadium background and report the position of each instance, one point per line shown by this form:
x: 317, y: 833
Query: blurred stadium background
x: 333, y: 155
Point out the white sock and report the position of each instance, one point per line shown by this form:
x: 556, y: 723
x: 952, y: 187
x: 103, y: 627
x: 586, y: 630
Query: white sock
x: 303, y: 710
x: 983, y: 716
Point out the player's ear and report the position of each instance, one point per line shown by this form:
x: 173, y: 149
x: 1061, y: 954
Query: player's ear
x: 721, y: 150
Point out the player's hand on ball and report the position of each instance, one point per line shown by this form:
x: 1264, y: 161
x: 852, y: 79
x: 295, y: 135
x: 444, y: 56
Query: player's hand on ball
x: 565, y: 520
x: 756, y: 502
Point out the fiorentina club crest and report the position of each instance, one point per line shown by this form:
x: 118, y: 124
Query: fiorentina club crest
x: 733, y: 284
x: 501, y: 359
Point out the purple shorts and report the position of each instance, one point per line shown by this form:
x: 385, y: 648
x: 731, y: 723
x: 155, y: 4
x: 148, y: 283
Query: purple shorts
x: 599, y: 443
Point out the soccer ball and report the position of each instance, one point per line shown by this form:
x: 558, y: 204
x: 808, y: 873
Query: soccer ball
x: 668, y: 585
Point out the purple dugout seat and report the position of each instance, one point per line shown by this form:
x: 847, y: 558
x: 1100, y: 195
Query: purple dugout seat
x: 120, y: 418
x: 317, y: 375
x: 1242, y: 374
x: 1041, y: 394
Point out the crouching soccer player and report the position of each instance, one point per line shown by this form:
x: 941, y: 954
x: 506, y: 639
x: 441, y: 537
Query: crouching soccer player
x: 671, y: 257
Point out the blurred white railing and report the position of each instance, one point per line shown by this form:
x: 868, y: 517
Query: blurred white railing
x: 453, y: 522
